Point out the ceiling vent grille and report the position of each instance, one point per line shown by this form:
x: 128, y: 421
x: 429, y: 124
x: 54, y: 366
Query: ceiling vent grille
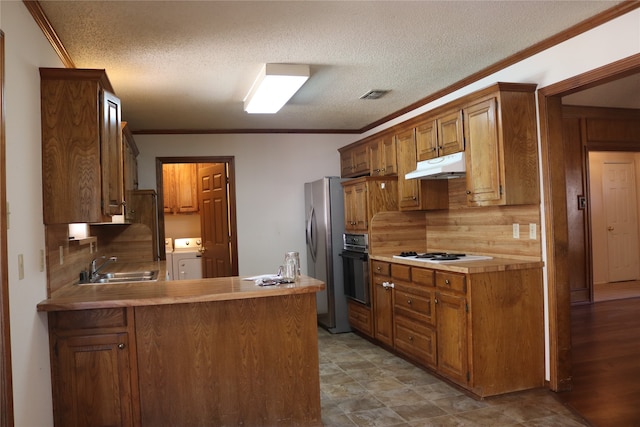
x: 374, y: 94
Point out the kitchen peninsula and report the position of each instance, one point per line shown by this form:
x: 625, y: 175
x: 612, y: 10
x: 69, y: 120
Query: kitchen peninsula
x: 195, y: 352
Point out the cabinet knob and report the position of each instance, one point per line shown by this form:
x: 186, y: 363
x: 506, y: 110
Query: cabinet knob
x: 468, y: 191
x: 447, y: 282
x: 414, y: 198
x: 378, y: 268
x: 121, y: 346
x: 409, y: 301
x: 410, y: 338
x: 435, y: 301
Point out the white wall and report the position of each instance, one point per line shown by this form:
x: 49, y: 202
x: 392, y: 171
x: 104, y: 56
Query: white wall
x: 270, y: 172
x: 26, y: 50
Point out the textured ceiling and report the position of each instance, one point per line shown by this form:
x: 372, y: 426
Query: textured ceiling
x: 187, y: 65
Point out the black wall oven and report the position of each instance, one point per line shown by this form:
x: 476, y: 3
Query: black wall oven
x: 355, y: 267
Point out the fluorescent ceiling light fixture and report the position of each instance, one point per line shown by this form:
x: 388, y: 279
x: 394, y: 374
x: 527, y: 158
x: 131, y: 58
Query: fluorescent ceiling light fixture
x: 274, y: 86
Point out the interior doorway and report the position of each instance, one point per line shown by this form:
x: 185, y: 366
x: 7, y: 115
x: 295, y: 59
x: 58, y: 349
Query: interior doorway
x: 556, y: 224
x: 205, y: 208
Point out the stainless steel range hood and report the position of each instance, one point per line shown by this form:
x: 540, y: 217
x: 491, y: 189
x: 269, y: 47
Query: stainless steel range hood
x: 445, y: 167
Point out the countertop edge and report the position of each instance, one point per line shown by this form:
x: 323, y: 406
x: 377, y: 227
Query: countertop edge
x: 84, y: 297
x: 470, y: 267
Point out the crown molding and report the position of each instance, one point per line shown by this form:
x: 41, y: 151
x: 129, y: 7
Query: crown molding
x: 41, y: 19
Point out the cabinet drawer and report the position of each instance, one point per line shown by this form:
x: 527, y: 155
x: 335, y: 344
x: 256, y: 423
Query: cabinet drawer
x: 451, y: 281
x: 401, y: 272
x: 413, y: 306
x: 379, y: 267
x: 422, y: 276
x: 88, y: 319
x: 415, y: 341
x: 360, y: 317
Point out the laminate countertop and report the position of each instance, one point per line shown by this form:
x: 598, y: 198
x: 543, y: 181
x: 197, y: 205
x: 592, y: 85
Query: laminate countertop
x: 161, y: 292
x: 466, y: 267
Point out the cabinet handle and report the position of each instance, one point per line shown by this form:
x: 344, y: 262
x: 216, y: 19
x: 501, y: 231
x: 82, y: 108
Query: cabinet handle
x: 435, y: 301
x: 378, y: 268
x: 447, y: 282
x: 121, y: 346
x: 468, y: 191
x: 411, y: 339
x: 409, y: 301
x: 414, y: 198
x: 432, y: 149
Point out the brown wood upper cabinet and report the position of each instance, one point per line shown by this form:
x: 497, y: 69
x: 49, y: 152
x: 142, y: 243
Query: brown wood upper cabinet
x: 416, y: 194
x: 180, y: 187
x: 382, y: 156
x: 501, y: 147
x: 130, y: 166
x: 366, y: 196
x: 354, y: 160
x: 81, y: 147
x: 440, y: 136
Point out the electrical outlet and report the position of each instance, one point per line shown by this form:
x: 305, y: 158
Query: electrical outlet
x: 532, y: 231
x: 61, y: 251
x: 20, y: 267
x: 90, y: 247
x: 41, y: 259
x: 516, y: 231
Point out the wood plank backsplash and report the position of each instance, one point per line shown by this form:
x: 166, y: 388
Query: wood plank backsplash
x: 130, y: 242
x: 480, y: 231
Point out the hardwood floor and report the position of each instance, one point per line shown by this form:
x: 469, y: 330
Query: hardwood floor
x: 606, y: 362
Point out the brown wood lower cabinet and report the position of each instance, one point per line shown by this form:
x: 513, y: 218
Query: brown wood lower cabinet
x: 247, y: 362
x: 93, y: 368
x: 483, y: 331
x: 360, y: 317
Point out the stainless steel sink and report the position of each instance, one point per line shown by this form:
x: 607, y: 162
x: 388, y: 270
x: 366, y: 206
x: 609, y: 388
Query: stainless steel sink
x: 126, y: 276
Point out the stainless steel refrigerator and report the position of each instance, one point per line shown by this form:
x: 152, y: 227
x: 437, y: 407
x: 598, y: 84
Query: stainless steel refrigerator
x: 324, y: 207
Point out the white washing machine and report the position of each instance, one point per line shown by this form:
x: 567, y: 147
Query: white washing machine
x: 168, y: 249
x: 187, y: 261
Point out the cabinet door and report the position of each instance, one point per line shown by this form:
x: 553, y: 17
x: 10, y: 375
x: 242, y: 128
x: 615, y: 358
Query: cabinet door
x: 169, y: 187
x: 484, y: 182
x: 111, y: 152
x: 361, y: 159
x: 427, y: 141
x: 383, y: 310
x: 376, y: 160
x: 451, y: 327
x: 360, y: 207
x: 346, y: 163
x: 349, y: 208
x: 408, y: 190
x: 187, y: 187
x: 390, y: 163
x: 93, y: 381
x: 450, y: 134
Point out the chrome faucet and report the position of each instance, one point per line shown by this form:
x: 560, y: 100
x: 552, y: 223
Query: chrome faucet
x: 94, y: 269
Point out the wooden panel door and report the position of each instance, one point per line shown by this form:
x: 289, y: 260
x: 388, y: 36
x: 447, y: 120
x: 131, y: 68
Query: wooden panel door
x: 427, y: 141
x: 360, y: 207
x: 450, y: 134
x: 389, y: 161
x: 451, y: 327
x: 408, y: 190
x: 383, y: 310
x: 111, y: 156
x: 484, y: 182
x: 93, y: 381
x: 214, y: 220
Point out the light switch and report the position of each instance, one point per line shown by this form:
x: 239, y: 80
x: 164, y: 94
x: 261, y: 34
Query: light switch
x: 516, y: 231
x: 532, y: 231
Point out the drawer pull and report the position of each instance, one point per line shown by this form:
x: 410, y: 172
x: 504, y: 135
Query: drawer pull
x: 121, y: 346
x: 447, y: 282
x: 411, y: 338
x: 409, y: 301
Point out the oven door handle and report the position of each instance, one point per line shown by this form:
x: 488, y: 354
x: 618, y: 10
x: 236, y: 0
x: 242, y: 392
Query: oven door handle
x: 362, y: 256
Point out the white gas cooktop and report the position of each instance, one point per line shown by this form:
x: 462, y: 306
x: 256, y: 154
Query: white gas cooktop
x: 442, y: 258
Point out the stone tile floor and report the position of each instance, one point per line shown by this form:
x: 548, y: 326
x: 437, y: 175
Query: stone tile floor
x: 364, y: 385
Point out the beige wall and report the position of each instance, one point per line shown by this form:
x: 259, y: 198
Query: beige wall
x: 26, y: 50
x: 270, y: 208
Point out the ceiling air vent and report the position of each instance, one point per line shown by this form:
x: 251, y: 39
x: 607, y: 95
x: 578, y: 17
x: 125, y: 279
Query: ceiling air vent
x: 374, y: 94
